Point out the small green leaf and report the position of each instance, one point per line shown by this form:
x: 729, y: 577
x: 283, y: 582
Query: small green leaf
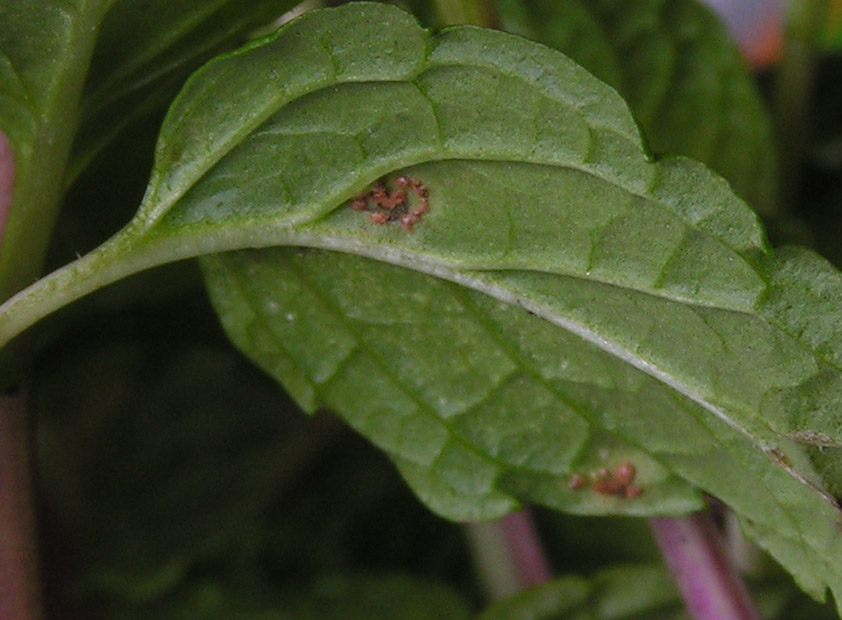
x: 563, y: 304
x: 680, y: 72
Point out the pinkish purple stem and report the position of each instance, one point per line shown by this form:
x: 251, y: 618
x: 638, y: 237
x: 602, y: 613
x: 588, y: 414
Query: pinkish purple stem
x: 7, y: 182
x: 20, y: 591
x: 524, y: 546
x: 708, y: 581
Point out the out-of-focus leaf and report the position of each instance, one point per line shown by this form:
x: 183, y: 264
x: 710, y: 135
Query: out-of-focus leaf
x: 145, y: 52
x: 147, y: 466
x: 45, y: 48
x: 357, y: 597
x: 633, y: 592
x: 832, y: 36
x: 375, y: 598
x: 680, y: 73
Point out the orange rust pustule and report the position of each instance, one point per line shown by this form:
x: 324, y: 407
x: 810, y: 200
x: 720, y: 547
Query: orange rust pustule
x: 577, y: 482
x: 618, y: 482
x: 386, y: 205
x: 625, y: 473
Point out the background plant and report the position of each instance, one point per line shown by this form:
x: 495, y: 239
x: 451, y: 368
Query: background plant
x: 567, y: 303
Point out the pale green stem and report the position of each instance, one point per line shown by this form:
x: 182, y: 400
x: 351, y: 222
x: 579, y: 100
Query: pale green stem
x: 112, y: 261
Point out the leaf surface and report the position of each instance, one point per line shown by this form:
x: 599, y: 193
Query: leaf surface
x: 680, y: 72
x: 565, y: 303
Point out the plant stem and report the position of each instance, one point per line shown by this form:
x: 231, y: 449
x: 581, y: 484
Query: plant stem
x: 508, y: 554
x: 7, y: 181
x: 524, y: 546
x: 455, y: 12
x: 20, y: 591
x: 708, y: 581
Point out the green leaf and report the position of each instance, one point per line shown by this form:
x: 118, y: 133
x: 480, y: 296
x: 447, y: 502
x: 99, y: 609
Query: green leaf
x: 45, y: 49
x: 168, y: 41
x: 680, y: 73
x: 565, y: 304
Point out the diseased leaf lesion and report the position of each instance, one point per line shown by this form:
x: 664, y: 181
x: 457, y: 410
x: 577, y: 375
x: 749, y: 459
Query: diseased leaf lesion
x: 405, y: 201
x: 618, y: 482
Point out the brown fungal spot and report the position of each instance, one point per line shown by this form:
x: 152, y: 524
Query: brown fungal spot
x: 394, y: 199
x: 577, y: 482
x: 385, y: 205
x: 617, y: 482
x: 605, y: 483
x: 632, y: 491
x: 625, y: 473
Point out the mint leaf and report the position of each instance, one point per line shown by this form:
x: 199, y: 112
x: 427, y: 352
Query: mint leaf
x: 680, y: 73
x: 597, y: 298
